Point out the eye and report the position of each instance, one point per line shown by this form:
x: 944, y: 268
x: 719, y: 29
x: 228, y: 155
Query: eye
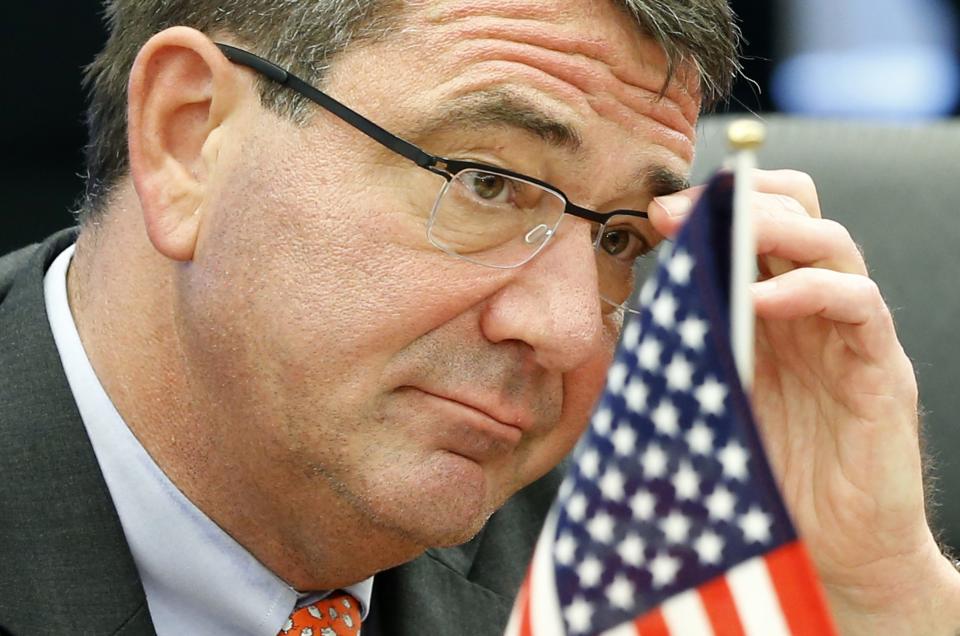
x: 488, y: 186
x: 624, y: 243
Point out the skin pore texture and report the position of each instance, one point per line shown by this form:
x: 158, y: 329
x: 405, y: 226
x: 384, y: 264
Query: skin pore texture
x: 328, y: 387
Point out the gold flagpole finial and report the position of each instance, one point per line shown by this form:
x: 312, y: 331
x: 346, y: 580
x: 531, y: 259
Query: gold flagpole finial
x: 746, y: 134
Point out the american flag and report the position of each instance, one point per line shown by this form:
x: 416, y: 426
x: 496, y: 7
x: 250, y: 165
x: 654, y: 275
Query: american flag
x: 669, y: 520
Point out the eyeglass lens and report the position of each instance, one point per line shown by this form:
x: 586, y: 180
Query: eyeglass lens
x: 501, y: 221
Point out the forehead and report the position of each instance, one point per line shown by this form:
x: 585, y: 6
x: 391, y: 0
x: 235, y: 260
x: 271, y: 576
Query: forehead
x: 589, y: 33
x: 575, y: 59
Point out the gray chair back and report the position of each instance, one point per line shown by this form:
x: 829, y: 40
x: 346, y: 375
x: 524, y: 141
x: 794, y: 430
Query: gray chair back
x: 897, y: 189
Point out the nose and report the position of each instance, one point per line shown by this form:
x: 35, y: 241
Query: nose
x: 552, y: 303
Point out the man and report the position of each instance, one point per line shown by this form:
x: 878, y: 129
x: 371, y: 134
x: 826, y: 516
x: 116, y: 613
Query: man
x: 302, y: 360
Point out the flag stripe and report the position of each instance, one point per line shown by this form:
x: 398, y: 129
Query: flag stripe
x: 684, y: 614
x: 756, y: 599
x: 626, y: 629
x: 520, y: 607
x: 803, y: 604
x: 525, y: 629
x: 545, y: 614
x: 652, y: 624
x: 719, y: 605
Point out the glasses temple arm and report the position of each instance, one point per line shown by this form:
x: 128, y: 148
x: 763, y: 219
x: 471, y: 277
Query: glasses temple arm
x: 355, y: 119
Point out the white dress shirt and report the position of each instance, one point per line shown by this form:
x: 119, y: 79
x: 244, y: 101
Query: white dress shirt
x: 197, y: 579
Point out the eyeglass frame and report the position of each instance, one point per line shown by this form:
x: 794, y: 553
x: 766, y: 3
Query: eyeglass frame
x: 439, y: 165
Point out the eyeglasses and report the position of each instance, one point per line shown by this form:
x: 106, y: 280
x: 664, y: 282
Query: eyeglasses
x: 492, y: 216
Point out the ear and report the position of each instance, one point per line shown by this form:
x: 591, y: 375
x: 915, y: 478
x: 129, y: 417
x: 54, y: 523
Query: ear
x: 182, y: 91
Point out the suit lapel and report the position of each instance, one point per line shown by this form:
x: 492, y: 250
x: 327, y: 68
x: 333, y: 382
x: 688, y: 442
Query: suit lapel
x: 65, y: 567
x: 425, y: 596
x: 468, y: 589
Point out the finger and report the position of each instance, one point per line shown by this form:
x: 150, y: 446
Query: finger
x: 852, y: 302
x: 667, y: 214
x: 797, y: 189
x: 792, y: 236
x: 786, y: 233
x: 793, y: 190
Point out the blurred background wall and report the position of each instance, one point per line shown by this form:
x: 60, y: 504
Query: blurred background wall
x: 44, y: 46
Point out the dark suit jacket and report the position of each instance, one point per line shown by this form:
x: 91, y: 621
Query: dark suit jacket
x: 65, y: 567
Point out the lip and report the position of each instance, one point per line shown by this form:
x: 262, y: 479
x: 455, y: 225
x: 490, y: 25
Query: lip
x: 507, y: 429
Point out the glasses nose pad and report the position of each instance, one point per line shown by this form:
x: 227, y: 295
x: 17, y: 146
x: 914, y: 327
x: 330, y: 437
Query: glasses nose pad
x: 539, y: 234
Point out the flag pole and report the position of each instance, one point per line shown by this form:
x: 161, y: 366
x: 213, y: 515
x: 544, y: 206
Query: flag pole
x: 745, y: 137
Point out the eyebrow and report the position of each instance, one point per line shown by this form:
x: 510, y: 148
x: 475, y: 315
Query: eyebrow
x: 660, y: 181
x: 498, y: 107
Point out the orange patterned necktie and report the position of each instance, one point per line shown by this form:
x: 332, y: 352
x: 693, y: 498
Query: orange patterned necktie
x: 336, y: 615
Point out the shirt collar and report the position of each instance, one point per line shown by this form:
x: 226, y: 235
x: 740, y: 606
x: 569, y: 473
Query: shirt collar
x: 192, y: 571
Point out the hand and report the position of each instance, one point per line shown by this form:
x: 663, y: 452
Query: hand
x: 836, y: 399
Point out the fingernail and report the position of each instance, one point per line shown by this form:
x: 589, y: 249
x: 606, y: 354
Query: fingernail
x: 675, y: 206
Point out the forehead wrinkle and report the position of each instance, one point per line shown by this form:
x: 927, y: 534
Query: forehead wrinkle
x: 444, y: 12
x: 617, y: 42
x: 592, y: 80
x: 596, y: 79
x: 528, y: 18
x: 673, y: 133
x: 501, y: 107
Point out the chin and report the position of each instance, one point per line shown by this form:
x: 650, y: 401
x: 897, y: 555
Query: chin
x: 435, y: 508
x: 459, y: 535
x: 431, y: 527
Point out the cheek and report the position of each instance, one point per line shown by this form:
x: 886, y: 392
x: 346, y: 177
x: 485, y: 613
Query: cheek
x: 336, y: 241
x: 333, y: 276
x: 581, y: 390
x: 582, y: 387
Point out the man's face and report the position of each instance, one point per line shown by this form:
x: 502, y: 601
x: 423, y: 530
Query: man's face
x: 351, y: 356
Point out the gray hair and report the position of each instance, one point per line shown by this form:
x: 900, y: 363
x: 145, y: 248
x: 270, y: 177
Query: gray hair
x: 306, y: 37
